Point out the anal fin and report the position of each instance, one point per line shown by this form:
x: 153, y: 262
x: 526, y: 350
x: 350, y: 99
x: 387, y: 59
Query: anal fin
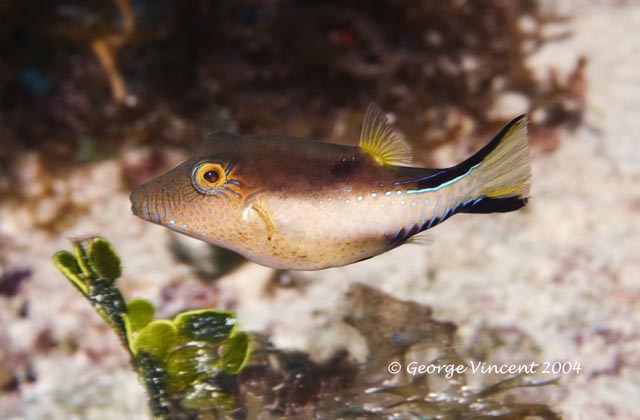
x: 423, y: 239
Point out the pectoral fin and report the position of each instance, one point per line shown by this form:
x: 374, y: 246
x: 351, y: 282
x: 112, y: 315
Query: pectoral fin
x: 254, y: 206
x: 380, y: 141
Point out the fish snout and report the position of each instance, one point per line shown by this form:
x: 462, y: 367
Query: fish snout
x: 136, y: 200
x: 145, y: 205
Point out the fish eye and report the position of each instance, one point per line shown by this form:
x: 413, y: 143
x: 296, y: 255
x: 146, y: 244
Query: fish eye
x: 206, y: 177
x: 211, y: 176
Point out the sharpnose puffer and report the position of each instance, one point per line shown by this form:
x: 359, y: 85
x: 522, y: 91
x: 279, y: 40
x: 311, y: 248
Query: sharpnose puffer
x: 297, y: 204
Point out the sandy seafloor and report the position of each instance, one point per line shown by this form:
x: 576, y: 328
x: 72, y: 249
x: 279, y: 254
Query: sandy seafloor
x: 564, y: 272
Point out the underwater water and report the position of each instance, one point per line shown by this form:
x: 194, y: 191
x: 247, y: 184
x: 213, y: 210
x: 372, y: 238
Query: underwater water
x: 98, y: 97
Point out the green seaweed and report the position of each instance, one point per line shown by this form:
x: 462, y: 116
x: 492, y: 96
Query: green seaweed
x: 178, y: 360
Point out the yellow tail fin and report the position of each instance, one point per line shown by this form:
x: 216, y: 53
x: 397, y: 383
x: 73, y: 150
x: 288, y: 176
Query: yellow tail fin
x: 502, y: 171
x: 506, y: 170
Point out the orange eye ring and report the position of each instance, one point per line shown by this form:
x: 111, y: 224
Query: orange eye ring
x: 207, y: 177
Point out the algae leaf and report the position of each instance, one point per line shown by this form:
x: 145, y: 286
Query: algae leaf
x: 179, y: 361
x: 103, y: 259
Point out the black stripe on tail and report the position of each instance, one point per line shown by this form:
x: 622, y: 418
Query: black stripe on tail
x: 495, y: 205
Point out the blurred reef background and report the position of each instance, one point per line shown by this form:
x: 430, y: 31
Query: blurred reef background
x: 98, y: 96
x: 101, y: 74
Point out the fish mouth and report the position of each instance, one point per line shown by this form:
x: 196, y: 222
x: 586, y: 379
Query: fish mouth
x: 144, y: 207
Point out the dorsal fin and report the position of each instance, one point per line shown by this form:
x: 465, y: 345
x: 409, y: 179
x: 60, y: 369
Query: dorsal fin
x: 380, y: 141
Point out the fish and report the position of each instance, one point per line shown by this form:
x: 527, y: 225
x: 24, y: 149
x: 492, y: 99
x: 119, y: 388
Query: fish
x: 297, y: 204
